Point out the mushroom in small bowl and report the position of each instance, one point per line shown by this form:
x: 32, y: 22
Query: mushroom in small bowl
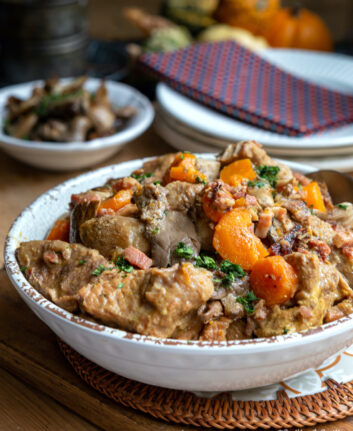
x: 70, y: 124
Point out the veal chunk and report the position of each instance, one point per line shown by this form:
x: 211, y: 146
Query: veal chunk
x: 58, y: 269
x: 111, y: 234
x: 152, y: 302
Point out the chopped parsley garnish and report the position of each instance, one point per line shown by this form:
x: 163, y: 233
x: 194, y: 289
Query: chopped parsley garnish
x: 200, y: 181
x: 155, y: 231
x: 82, y: 262
x: 232, y: 268
x: 184, y: 251
x: 342, y: 206
x: 258, y: 183
x: 142, y: 177
x: 181, y: 156
x: 300, y: 186
x: 123, y: 265
x: 285, y: 331
x: 24, y: 269
x: 120, y: 285
x: 157, y: 183
x: 248, y: 301
x: 101, y: 268
x: 205, y: 262
x: 165, y: 212
x: 269, y: 173
x: 311, y: 208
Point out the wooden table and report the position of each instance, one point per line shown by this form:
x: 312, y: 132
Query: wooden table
x: 45, y: 393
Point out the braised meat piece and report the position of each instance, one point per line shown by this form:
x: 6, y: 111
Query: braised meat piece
x: 84, y: 206
x: 152, y: 302
x: 165, y: 228
x: 58, y: 269
x: 112, y: 234
x: 320, y: 287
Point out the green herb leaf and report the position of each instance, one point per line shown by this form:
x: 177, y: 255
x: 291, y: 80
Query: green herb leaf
x: 248, y: 301
x: 285, y: 331
x: 184, y: 251
x: 205, y: 262
x: 232, y: 268
x: 342, y: 206
x: 82, y: 262
x: 123, y: 265
x: 311, y: 208
x: 269, y: 173
x: 258, y: 183
x: 157, y: 183
x: 120, y: 285
x: 155, y: 231
x: 101, y: 268
x: 142, y: 177
x: 200, y: 181
x: 24, y: 269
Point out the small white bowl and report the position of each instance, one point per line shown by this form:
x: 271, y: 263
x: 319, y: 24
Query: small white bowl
x: 193, y: 365
x: 66, y: 156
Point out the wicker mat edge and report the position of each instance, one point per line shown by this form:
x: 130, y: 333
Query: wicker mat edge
x: 220, y: 412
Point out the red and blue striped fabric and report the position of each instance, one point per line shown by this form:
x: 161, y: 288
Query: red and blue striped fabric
x: 229, y: 78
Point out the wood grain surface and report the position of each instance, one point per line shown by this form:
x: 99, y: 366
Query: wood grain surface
x: 28, y: 349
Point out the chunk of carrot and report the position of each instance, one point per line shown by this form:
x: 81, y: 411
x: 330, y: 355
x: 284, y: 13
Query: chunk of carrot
x: 60, y: 230
x: 119, y: 200
x: 312, y: 196
x: 183, y: 168
x: 235, y: 172
x: 274, y: 280
x: 234, y: 240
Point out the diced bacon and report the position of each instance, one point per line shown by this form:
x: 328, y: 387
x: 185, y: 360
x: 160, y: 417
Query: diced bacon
x: 280, y: 213
x: 321, y: 247
x: 50, y: 256
x: 264, y: 224
x: 342, y: 238
x: 348, y: 251
x: 304, y: 181
x: 332, y: 314
x: 305, y: 312
x: 250, y: 200
x: 105, y: 211
x: 137, y: 258
x: 85, y: 197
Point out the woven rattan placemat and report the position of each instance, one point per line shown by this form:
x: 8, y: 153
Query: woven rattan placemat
x: 221, y: 411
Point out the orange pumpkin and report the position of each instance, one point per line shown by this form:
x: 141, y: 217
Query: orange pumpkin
x: 253, y: 15
x: 299, y: 28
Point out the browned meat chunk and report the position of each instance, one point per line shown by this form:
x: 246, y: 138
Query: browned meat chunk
x: 153, y: 302
x: 216, y: 330
x: 174, y: 228
x: 182, y: 196
x: 58, y: 269
x: 84, y: 206
x: 320, y: 286
x: 208, y: 167
x: 158, y: 166
x: 111, y: 234
x: 163, y: 227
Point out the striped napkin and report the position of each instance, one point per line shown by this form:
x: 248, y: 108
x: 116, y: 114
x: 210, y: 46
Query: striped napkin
x: 234, y: 80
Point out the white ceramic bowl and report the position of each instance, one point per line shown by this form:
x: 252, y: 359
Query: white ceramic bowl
x: 197, y: 366
x: 68, y: 156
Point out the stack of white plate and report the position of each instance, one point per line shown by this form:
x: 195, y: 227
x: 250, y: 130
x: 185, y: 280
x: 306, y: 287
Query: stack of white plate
x: 188, y: 125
